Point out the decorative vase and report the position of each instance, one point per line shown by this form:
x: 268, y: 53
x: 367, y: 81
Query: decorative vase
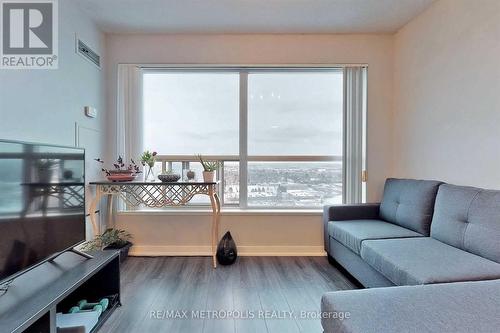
x: 169, y: 177
x: 149, y: 174
x: 226, y: 250
x: 208, y: 176
x: 190, y: 175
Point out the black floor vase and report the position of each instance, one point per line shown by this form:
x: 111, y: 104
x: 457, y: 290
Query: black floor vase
x: 226, y: 251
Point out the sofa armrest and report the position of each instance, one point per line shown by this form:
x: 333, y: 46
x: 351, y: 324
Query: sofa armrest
x: 351, y: 212
x: 347, y: 212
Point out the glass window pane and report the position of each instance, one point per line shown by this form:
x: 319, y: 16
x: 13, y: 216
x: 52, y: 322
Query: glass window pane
x: 294, y: 184
x: 231, y: 183
x: 295, y: 113
x: 198, y: 176
x: 189, y: 113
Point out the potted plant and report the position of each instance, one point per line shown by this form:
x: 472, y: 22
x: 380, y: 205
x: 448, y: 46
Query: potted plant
x: 111, y: 239
x: 121, y: 172
x: 148, y: 160
x: 209, y: 168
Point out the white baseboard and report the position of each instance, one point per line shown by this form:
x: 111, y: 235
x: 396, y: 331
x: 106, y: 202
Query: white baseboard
x: 289, y: 251
x: 262, y: 251
x: 169, y: 250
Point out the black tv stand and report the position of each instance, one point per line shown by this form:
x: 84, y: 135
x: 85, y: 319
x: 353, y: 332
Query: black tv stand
x: 80, y: 253
x: 33, y: 298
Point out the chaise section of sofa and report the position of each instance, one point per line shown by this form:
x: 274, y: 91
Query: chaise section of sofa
x: 452, y: 307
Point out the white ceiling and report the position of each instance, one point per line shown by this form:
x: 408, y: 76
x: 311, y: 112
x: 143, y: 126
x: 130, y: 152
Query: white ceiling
x: 252, y: 16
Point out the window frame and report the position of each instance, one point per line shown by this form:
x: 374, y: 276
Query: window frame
x: 243, y: 158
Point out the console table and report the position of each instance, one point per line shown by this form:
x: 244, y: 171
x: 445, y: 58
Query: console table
x: 157, y: 195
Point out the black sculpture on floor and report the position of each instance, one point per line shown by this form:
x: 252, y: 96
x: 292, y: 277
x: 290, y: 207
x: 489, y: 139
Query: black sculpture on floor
x: 226, y: 251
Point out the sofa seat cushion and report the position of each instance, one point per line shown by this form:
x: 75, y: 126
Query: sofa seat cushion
x: 424, y: 260
x: 352, y: 233
x: 451, y: 307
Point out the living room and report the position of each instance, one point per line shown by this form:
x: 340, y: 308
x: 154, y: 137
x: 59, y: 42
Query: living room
x: 264, y: 166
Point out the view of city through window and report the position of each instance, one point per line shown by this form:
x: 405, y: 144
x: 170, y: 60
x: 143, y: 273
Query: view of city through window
x: 294, y: 123
x: 286, y: 184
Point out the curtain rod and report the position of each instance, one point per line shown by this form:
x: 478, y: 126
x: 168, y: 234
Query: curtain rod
x: 247, y: 66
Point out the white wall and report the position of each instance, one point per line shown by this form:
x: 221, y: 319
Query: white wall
x: 44, y: 105
x: 167, y: 234
x: 447, y: 94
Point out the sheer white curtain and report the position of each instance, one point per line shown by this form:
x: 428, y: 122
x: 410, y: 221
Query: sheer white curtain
x: 129, y: 112
x: 354, y: 123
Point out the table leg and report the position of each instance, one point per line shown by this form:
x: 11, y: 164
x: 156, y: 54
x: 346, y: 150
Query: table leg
x: 110, y: 221
x: 214, y: 200
x: 93, y: 204
x: 217, y: 202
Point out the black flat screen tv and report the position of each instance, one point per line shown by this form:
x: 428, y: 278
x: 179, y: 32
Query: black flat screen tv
x: 42, y: 204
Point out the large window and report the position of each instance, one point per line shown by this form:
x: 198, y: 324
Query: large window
x: 278, y: 133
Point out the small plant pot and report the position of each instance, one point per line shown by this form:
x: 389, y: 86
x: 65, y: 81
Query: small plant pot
x: 208, y: 176
x: 124, y: 249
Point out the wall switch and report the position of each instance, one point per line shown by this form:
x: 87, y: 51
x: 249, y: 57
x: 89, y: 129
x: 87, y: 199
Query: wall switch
x: 90, y: 111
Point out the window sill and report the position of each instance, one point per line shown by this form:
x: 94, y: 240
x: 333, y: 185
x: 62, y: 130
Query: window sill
x: 225, y: 211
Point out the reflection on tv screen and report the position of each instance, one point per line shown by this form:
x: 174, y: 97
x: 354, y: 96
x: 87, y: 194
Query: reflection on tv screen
x: 42, y: 203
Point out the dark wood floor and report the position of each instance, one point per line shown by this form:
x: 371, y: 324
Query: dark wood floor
x: 266, y: 287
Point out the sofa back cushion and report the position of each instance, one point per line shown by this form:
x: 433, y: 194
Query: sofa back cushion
x: 468, y: 218
x: 409, y: 203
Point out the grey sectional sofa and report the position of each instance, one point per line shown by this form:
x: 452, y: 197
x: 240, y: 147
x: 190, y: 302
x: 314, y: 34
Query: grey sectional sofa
x: 423, y: 232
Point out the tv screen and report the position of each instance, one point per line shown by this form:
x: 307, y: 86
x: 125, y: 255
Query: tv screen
x: 42, y: 203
